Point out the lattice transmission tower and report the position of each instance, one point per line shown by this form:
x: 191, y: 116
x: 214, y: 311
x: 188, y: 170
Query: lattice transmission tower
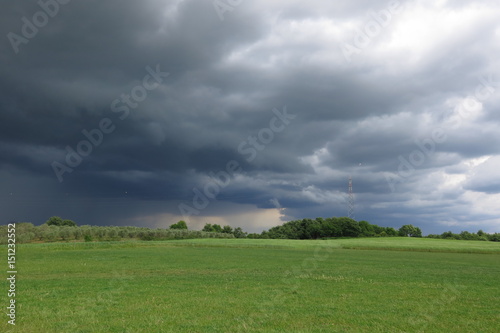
x: 350, y: 200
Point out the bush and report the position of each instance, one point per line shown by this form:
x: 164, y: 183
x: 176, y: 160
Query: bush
x: 65, y: 233
x: 24, y: 237
x: 147, y: 236
x: 51, y: 234
x: 78, y: 233
x: 111, y: 233
x: 122, y: 233
x: 99, y: 232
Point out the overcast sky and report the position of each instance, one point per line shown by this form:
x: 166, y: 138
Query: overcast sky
x: 251, y: 113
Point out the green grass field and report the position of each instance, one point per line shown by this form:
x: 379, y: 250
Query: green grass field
x: 244, y: 285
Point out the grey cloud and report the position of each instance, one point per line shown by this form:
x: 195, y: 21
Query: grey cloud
x: 225, y: 78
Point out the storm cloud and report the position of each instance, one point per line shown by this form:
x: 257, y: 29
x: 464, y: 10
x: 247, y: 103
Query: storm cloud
x: 250, y: 113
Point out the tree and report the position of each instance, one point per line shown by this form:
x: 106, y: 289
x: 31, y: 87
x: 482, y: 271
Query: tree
x: 227, y: 229
x: 55, y: 220
x: 368, y: 230
x: 216, y: 228
x: 69, y: 223
x: 212, y: 228
x: 179, y: 225
x: 465, y: 235
x: 494, y: 237
x: 350, y: 227
x: 310, y: 229
x: 207, y: 228
x: 447, y: 234
x: 391, y: 231
x: 331, y: 227
x: 410, y: 231
x: 239, y: 233
x: 376, y: 229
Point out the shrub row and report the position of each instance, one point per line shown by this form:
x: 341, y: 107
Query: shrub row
x: 27, y: 232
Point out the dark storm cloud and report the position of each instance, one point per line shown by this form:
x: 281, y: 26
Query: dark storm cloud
x: 356, y: 118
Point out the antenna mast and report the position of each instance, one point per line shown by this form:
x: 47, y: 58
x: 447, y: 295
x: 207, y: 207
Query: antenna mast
x: 350, y: 200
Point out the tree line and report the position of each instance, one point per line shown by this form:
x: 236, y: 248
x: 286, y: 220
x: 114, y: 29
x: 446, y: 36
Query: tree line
x: 465, y: 235
x: 58, y: 229
x: 332, y: 227
x: 337, y: 227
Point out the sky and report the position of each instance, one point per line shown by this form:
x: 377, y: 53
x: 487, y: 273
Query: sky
x: 250, y: 113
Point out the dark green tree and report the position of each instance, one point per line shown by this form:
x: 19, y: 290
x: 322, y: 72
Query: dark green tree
x: 212, y: 228
x: 227, y: 229
x: 331, y: 227
x: 216, y: 228
x: 54, y: 220
x: 494, y: 237
x: 390, y: 231
x: 367, y: 230
x: 410, y: 231
x: 179, y: 225
x: 69, y: 223
x: 350, y: 227
x: 239, y: 233
x: 207, y: 228
x: 310, y: 229
x: 465, y: 235
x: 447, y: 235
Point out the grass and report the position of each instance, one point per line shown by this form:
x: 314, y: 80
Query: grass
x: 386, y: 243
x: 245, y: 285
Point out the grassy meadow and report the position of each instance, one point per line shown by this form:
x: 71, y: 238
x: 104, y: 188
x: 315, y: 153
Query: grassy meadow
x: 258, y: 285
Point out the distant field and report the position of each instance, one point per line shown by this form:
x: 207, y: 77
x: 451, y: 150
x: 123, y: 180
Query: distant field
x: 384, y: 243
x: 244, y: 285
